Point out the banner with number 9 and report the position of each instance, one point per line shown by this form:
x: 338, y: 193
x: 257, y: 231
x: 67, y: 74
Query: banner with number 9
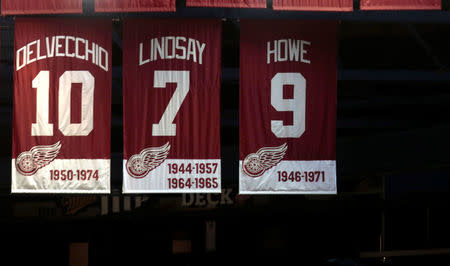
x: 287, y: 107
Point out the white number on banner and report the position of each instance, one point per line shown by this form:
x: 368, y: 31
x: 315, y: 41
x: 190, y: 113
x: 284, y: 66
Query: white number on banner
x: 42, y: 127
x: 297, y: 104
x: 41, y: 83
x: 87, y: 103
x: 165, y: 127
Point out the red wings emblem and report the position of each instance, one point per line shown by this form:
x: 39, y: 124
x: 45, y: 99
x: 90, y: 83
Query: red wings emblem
x: 148, y: 159
x: 255, y: 164
x: 28, y: 162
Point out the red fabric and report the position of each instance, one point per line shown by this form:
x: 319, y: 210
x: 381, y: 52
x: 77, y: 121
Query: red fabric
x: 198, y: 119
x: 24, y: 7
x: 400, y: 4
x: 96, y: 145
x: 318, y: 142
x: 134, y: 5
x: 313, y: 5
x: 227, y: 3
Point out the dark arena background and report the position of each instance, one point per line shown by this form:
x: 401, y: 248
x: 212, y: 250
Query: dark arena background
x: 393, y: 164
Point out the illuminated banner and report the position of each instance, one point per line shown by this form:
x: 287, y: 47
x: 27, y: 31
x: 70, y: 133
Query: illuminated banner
x: 227, y: 3
x: 61, y: 108
x: 134, y: 5
x: 313, y: 5
x: 400, y: 4
x: 287, y: 117
x: 24, y: 7
x: 171, y: 90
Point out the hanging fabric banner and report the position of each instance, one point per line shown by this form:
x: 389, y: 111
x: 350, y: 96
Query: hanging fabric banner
x: 135, y: 6
x: 400, y: 4
x: 26, y: 7
x: 287, y: 109
x: 227, y: 3
x: 62, y: 106
x: 171, y: 109
x: 313, y: 5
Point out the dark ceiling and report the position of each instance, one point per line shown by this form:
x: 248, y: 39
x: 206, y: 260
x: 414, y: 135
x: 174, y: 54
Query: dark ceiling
x: 393, y: 142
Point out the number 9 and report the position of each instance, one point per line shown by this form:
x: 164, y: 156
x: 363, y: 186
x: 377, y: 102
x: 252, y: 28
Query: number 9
x: 297, y: 105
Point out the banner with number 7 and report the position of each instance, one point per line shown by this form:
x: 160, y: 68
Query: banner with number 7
x: 287, y: 107
x: 171, y: 109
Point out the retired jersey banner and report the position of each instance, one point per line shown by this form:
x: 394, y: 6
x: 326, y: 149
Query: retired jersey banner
x: 227, y: 3
x: 287, y: 118
x: 171, y: 109
x: 134, y: 5
x: 61, y: 108
x: 24, y: 7
x: 400, y: 4
x: 313, y: 5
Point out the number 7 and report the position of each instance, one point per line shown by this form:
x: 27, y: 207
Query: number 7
x: 165, y: 127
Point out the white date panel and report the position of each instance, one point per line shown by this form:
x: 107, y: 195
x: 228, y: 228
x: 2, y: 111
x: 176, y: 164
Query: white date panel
x: 178, y: 176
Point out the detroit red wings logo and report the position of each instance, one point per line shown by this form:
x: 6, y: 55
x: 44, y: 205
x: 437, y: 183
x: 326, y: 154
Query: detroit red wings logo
x: 148, y: 159
x: 28, y: 162
x: 255, y: 164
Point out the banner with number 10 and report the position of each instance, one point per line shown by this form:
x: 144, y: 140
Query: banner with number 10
x: 287, y: 107
x: 171, y: 91
x: 62, y: 106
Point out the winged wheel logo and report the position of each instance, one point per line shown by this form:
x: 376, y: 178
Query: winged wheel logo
x: 28, y: 162
x: 255, y: 164
x: 139, y: 165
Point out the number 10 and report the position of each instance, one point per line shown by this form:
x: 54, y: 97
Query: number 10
x: 41, y: 83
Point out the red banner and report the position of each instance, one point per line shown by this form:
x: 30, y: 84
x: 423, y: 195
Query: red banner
x: 227, y: 3
x: 400, y: 4
x: 25, y: 7
x: 287, y: 107
x: 61, y: 108
x: 313, y: 5
x: 171, y: 90
x: 134, y: 5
